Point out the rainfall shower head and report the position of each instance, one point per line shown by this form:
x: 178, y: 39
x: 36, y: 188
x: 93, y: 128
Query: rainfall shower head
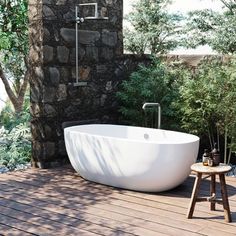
x: 95, y: 16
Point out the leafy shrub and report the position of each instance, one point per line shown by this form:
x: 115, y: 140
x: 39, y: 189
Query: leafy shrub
x: 157, y: 82
x: 208, y: 102
x: 15, y: 146
x: 9, y: 119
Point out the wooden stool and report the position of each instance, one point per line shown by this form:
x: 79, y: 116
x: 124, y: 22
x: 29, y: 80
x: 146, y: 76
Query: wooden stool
x: 200, y: 169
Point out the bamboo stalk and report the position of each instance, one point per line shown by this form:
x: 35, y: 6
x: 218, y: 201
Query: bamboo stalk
x: 225, y: 146
x: 209, y: 136
x: 218, y: 137
x: 230, y: 154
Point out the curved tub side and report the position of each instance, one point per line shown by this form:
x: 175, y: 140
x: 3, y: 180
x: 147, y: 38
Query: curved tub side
x: 127, y: 164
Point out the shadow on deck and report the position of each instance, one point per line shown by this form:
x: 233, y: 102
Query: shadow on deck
x: 60, y: 202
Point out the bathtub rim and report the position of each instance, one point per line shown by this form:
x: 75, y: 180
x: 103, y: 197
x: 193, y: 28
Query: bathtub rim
x: 70, y: 129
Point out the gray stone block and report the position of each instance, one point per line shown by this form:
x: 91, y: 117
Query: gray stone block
x: 101, y: 69
x: 109, y: 38
x: 61, y: 2
x: 54, y: 76
x: 46, y: 35
x: 107, y: 53
x: 61, y: 92
x: 86, y: 37
x: 62, y: 54
x: 49, y: 149
x: 110, y: 2
x: 47, y: 53
x: 48, y: 13
x: 68, y: 35
x: 49, y: 111
x: 64, y: 74
x: 73, y: 55
x: 48, y: 94
x: 92, y: 53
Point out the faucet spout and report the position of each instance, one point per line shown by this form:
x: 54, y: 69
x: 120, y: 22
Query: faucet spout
x: 154, y: 104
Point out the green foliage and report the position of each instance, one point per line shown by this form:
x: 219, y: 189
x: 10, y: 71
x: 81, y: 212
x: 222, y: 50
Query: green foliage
x: 14, y: 39
x: 15, y: 136
x: 217, y: 30
x: 15, y: 146
x: 157, y: 82
x: 13, y: 26
x: 208, y: 101
x: 9, y: 119
x: 153, y: 28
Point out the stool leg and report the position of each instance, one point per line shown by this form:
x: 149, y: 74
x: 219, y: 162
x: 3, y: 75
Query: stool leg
x: 225, y: 198
x: 194, y: 195
x: 213, y: 191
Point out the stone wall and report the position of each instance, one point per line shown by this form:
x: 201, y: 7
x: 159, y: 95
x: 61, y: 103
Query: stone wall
x: 102, y: 66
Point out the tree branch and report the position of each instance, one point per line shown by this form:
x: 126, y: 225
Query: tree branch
x: 228, y: 5
x: 8, y: 89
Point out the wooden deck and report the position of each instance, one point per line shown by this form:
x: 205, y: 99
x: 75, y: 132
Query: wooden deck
x: 59, y: 202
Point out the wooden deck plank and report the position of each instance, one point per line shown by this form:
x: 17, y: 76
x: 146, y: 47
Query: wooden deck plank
x: 64, y: 220
x: 60, y: 198
x: 179, y: 200
x: 7, y: 230
x: 103, y: 219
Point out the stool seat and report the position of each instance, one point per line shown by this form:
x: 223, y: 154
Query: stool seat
x: 221, y: 168
x: 212, y: 171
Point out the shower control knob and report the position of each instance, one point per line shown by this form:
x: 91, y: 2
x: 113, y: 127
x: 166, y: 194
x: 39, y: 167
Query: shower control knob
x: 79, y: 20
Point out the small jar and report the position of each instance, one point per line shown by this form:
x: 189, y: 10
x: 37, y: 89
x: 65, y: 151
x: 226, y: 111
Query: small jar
x: 210, y: 162
x: 205, y: 157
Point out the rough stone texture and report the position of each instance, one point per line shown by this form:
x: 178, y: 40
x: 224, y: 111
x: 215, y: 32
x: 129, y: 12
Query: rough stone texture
x: 54, y: 76
x: 48, y: 53
x: 48, y: 13
x: 109, y: 38
x: 62, y: 54
x: 48, y: 94
x: 102, y: 67
x: 47, y: 35
x: 86, y: 37
x: 61, y: 92
x: 49, y: 110
x: 91, y: 54
x: 61, y: 2
x: 107, y: 53
x: 84, y: 72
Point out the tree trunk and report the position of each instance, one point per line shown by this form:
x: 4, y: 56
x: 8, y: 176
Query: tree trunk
x: 16, y: 100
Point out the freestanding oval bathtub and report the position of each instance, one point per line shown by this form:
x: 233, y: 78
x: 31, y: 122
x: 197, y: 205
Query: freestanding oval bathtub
x: 130, y: 157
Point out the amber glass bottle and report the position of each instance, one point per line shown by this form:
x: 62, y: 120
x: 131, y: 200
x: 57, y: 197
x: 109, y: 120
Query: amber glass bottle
x: 215, y: 155
x: 205, y: 157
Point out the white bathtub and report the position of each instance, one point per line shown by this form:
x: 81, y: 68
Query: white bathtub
x: 130, y: 157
